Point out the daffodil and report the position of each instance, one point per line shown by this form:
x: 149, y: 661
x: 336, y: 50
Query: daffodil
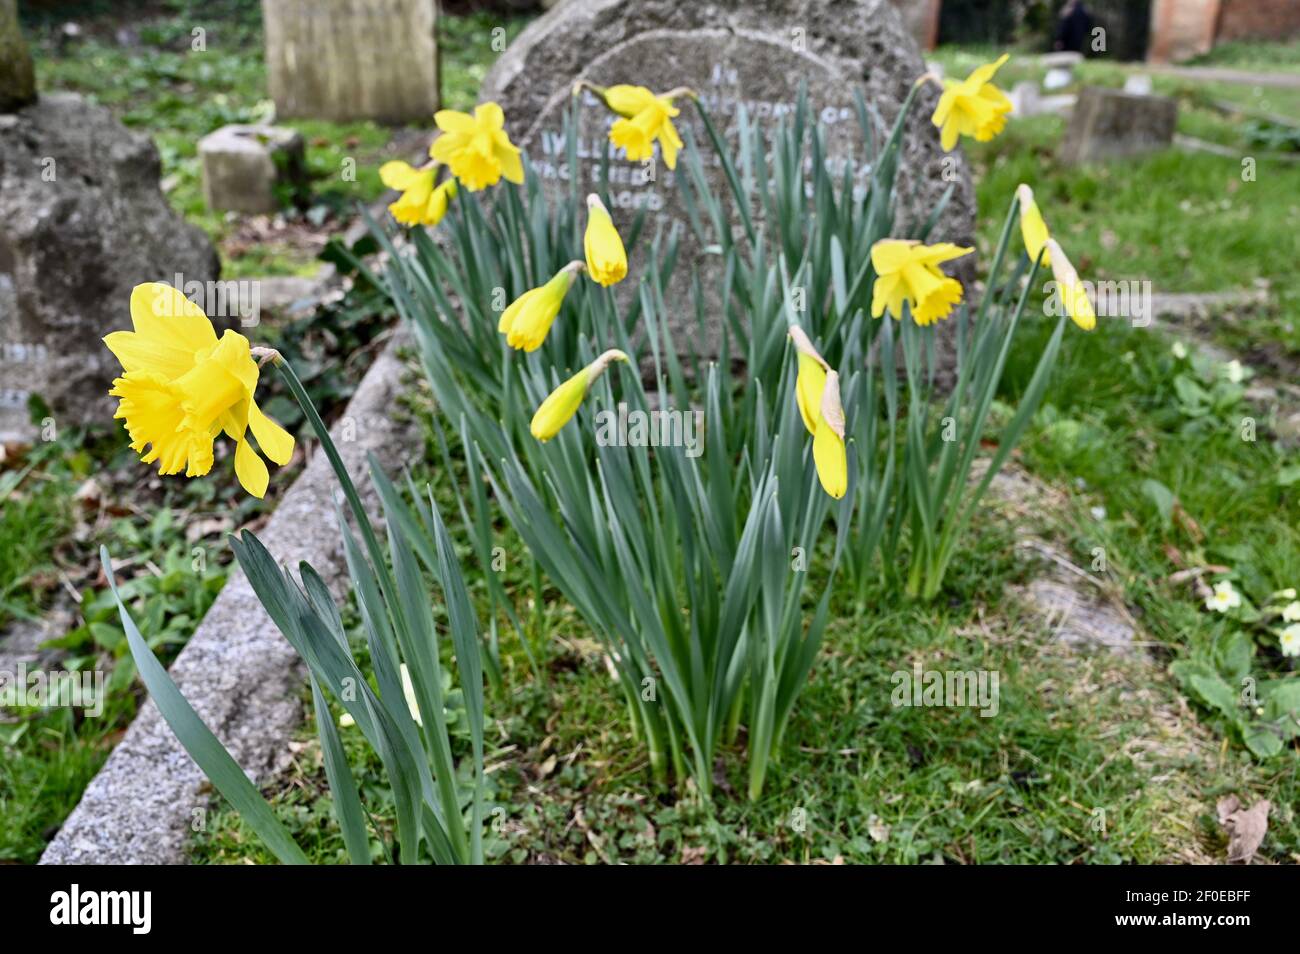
x: 562, y: 403
x: 973, y: 106
x: 817, y: 392
x: 529, y: 317
x: 1289, y: 640
x: 606, y: 257
x: 646, y: 118
x: 1224, y: 597
x: 1032, y: 227
x: 1073, y: 295
x: 181, y: 387
x: 476, y: 148
x: 907, y: 271
x: 421, y: 202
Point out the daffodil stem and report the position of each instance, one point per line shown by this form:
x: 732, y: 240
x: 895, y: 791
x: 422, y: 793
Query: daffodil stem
x: 341, y: 472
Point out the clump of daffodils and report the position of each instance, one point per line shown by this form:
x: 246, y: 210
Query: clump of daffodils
x: 182, y: 387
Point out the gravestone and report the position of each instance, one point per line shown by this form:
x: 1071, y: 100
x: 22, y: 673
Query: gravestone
x: 17, y: 78
x: 82, y: 221
x: 756, y: 53
x: 1109, y: 123
x: 352, y: 59
x: 243, y: 166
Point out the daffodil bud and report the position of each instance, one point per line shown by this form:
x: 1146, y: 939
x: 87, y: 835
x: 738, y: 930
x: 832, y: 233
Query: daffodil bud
x: 1032, y: 227
x: 606, y: 257
x: 1073, y: 294
x: 527, y: 319
x: 562, y: 403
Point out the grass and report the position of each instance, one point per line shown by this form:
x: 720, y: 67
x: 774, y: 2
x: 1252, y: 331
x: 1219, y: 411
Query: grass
x: 1149, y: 218
x: 1078, y: 744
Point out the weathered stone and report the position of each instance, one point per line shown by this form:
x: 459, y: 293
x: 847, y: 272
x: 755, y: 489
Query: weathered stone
x: 243, y: 165
x: 81, y: 223
x: 238, y: 672
x: 756, y: 53
x: 352, y: 59
x: 1108, y: 123
x: 17, y: 77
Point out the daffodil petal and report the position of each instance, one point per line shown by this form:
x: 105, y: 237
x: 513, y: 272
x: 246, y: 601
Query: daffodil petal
x: 251, y: 469
x: 275, y: 442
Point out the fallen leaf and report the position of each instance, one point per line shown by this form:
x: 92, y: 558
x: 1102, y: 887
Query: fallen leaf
x: 1246, y: 828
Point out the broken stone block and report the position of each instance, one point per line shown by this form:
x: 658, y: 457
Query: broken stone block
x: 1107, y: 123
x: 244, y: 165
x: 82, y: 221
x: 17, y: 78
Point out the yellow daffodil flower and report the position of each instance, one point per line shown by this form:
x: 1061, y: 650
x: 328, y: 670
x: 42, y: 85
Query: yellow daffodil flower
x: 476, y: 148
x: 907, y: 271
x: 606, y: 257
x: 817, y: 392
x: 408, y: 694
x: 973, y: 106
x: 562, y: 403
x: 1032, y: 227
x: 181, y: 387
x: 529, y: 317
x: 421, y: 202
x: 1073, y: 295
x: 644, y: 119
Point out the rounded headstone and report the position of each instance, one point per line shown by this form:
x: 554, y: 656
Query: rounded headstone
x: 756, y: 53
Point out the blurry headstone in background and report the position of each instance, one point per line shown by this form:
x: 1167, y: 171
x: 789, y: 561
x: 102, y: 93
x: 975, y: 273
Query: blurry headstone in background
x: 352, y: 59
x: 754, y: 54
x: 921, y: 17
x: 17, y: 78
x: 1181, y: 29
x: 1107, y: 123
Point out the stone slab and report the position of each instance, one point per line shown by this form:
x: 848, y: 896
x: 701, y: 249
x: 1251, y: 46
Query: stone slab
x: 1110, y: 123
x: 17, y: 76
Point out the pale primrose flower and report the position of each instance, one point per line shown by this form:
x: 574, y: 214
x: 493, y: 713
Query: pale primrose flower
x: 1180, y: 350
x: 1291, y: 612
x: 1289, y: 640
x: 1224, y: 598
x: 1234, y: 371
